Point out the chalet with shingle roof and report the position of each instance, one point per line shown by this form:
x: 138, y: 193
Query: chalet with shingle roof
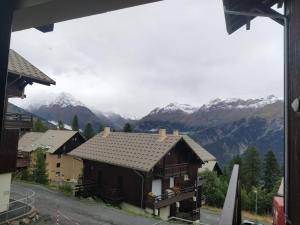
x: 56, y: 144
x: 212, y: 166
x: 157, y: 172
x: 20, y: 74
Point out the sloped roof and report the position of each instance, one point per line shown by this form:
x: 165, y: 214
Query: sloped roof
x: 139, y: 151
x: 210, y: 165
x: 21, y: 67
x: 51, y: 140
x: 203, y: 154
x: 28, y: 139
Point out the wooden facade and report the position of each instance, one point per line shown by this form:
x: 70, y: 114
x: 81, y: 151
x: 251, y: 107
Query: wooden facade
x: 178, y: 168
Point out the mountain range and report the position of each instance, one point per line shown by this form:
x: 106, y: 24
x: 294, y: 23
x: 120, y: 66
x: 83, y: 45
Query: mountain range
x: 223, y: 127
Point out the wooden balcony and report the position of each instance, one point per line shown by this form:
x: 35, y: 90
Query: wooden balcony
x: 169, y: 198
x: 231, y: 214
x: 23, y: 160
x: 18, y: 121
x: 175, y: 170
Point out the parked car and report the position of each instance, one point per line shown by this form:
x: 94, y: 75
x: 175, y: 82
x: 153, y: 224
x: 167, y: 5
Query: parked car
x: 248, y: 222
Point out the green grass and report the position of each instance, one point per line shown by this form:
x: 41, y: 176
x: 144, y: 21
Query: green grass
x: 64, y: 188
x: 245, y: 214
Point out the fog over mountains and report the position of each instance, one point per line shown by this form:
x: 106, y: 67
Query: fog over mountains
x: 224, y: 127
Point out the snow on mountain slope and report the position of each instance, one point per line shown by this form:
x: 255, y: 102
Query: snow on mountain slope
x: 239, y: 103
x: 65, y: 99
x: 173, y: 107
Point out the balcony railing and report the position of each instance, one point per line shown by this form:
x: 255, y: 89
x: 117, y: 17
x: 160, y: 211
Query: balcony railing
x: 172, y: 170
x: 171, y: 197
x: 15, y: 120
x: 231, y: 214
x: 23, y: 162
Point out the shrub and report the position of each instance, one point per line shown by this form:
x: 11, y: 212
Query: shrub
x: 66, y: 188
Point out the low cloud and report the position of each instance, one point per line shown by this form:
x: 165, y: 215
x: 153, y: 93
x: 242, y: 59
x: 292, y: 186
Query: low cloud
x: 133, y: 60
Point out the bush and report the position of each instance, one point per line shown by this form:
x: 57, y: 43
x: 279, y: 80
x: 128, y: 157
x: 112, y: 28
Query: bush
x: 24, y: 174
x: 66, y: 188
x: 214, y: 189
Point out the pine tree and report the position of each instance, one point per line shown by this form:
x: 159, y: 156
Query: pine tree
x: 38, y: 126
x: 39, y: 172
x: 88, y: 131
x: 236, y: 159
x: 127, y: 128
x: 75, y: 124
x: 251, y: 168
x: 61, y: 125
x: 271, y: 171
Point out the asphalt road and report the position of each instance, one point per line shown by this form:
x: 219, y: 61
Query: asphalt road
x: 74, y: 211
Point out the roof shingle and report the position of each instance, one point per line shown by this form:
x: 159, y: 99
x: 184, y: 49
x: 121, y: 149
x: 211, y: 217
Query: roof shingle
x: 139, y: 151
x: 51, y: 140
x: 20, y: 66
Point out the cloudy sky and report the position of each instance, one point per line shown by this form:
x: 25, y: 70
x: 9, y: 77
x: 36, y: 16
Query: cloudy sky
x: 133, y: 60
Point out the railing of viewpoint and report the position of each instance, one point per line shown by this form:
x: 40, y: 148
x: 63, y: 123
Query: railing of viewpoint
x: 20, y: 204
x: 231, y: 214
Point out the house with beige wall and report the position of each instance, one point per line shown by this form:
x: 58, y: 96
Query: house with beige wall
x: 56, y: 144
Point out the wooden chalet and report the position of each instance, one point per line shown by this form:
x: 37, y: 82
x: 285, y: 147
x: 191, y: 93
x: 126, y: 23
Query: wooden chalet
x: 20, y: 74
x: 56, y: 144
x: 157, y: 172
x: 212, y: 166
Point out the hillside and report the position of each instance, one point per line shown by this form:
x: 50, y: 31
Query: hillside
x: 64, y: 107
x: 224, y: 127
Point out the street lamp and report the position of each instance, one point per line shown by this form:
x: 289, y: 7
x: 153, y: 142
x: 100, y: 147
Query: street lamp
x: 255, y: 201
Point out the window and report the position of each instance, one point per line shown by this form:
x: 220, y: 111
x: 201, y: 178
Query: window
x: 59, y: 156
x: 57, y: 165
x: 171, y: 182
x: 186, y: 177
x: 57, y: 174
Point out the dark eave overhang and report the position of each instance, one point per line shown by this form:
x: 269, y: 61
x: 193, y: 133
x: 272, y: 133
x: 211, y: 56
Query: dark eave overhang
x: 43, y: 14
x: 234, y: 21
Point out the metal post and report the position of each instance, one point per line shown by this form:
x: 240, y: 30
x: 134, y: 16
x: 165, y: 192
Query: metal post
x: 255, y: 202
x: 6, y: 13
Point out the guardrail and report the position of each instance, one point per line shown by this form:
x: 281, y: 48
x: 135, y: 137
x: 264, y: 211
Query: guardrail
x: 19, y: 205
x: 231, y: 214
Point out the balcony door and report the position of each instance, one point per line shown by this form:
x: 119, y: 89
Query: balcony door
x: 156, y: 187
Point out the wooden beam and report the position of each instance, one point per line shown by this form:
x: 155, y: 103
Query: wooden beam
x: 6, y: 12
x: 292, y: 193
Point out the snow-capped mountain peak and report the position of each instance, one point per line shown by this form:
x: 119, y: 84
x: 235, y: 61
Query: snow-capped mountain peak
x: 231, y: 103
x: 172, y: 107
x: 65, y: 99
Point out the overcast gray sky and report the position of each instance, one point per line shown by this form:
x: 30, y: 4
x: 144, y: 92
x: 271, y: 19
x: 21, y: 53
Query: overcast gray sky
x: 133, y: 60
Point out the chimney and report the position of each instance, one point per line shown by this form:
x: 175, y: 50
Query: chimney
x: 106, y: 131
x: 162, y: 134
x: 176, y: 132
